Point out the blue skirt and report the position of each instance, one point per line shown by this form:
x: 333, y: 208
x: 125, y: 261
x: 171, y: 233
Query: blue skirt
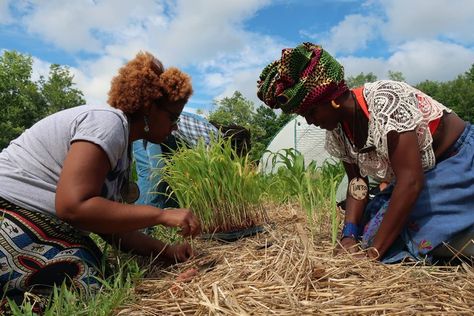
x: 445, y: 207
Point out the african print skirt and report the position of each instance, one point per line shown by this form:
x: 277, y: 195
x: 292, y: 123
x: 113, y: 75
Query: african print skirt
x: 38, y: 251
x: 443, y: 211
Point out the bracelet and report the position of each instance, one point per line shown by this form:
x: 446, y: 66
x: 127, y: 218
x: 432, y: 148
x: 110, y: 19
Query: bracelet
x: 350, y: 230
x: 372, y: 253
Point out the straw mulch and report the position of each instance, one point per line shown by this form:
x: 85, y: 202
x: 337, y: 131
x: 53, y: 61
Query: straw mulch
x: 284, y: 272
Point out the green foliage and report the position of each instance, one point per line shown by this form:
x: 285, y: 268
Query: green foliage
x: 64, y: 300
x: 58, y: 90
x: 457, y: 94
x: 223, y: 189
x: 313, y: 187
x: 395, y: 76
x: 360, y: 79
x: 25, y: 101
x: 262, y: 122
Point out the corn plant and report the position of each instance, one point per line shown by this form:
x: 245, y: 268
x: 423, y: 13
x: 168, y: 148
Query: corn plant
x: 224, y: 190
x: 313, y: 187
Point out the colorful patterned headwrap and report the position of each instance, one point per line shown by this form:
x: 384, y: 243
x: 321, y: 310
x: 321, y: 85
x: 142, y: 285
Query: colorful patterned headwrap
x: 303, y: 77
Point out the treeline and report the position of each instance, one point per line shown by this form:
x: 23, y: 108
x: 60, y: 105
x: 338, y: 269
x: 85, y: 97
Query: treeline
x: 24, y: 101
x: 457, y: 94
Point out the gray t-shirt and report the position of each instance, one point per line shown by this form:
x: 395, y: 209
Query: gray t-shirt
x: 31, y: 165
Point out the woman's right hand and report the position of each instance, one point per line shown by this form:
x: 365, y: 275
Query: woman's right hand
x: 182, y: 218
x: 347, y: 245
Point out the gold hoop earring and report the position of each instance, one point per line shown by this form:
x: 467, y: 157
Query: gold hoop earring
x: 335, y: 105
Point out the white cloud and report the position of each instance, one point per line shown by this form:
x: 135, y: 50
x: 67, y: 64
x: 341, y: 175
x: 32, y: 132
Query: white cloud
x: 432, y: 60
x: 5, y: 16
x: 429, y: 19
x: 417, y: 61
x: 204, y: 29
x: 208, y: 39
x: 355, y: 65
x: 93, y: 78
x: 351, y: 34
x: 40, y: 68
x: 206, y: 35
x: 86, y: 25
x: 244, y: 82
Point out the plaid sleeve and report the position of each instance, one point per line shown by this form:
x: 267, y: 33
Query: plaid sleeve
x: 192, y: 127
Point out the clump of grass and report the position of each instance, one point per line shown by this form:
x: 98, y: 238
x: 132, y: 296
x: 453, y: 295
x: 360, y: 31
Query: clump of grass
x: 116, y: 290
x: 224, y: 190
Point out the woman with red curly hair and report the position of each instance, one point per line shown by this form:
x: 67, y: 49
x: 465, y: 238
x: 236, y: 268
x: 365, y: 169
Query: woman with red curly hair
x: 69, y: 175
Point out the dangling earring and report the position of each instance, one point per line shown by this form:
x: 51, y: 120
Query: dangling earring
x: 335, y: 105
x: 146, y: 128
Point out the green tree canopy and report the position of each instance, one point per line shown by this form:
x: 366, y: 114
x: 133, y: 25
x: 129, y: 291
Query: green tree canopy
x: 457, y: 94
x: 360, y: 79
x: 395, y: 76
x: 25, y: 101
x: 262, y: 122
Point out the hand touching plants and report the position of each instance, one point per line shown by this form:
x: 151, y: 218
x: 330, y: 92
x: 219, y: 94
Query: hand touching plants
x: 183, y: 219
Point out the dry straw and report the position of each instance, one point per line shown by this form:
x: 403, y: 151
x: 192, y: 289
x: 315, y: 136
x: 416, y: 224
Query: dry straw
x: 287, y: 272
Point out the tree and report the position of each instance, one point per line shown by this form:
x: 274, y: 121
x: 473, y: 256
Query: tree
x: 263, y: 122
x: 233, y: 110
x: 395, y: 76
x: 58, y: 90
x: 360, y: 79
x: 470, y: 73
x: 457, y: 94
x: 25, y: 101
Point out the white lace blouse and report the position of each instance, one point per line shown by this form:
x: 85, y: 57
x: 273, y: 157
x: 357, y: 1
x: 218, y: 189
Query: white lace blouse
x: 393, y: 106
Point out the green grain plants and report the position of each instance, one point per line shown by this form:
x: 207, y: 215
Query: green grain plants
x: 224, y: 190
x: 313, y: 187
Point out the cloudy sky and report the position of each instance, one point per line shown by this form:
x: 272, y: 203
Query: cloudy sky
x: 224, y: 44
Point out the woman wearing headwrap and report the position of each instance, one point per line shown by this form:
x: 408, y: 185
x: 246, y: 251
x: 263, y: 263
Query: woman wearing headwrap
x: 392, y: 132
x: 69, y: 175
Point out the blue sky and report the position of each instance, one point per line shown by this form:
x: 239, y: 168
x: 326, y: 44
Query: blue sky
x: 224, y: 44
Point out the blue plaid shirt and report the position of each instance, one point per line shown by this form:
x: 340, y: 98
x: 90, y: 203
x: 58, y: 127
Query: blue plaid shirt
x: 192, y: 127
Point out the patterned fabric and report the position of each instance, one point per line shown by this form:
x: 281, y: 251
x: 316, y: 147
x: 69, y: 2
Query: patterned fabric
x: 302, y: 78
x: 393, y: 106
x: 192, y: 127
x: 38, y: 250
x: 442, y: 211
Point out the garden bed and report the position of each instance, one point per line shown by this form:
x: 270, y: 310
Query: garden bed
x: 286, y: 272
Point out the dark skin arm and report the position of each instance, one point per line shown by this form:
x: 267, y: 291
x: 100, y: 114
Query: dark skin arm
x: 149, y: 246
x: 405, y: 159
x: 354, y: 210
x: 79, y: 203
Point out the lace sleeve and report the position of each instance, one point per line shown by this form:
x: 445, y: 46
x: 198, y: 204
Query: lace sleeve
x: 393, y: 107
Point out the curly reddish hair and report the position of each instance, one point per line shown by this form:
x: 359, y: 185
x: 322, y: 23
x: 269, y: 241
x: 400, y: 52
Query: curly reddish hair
x: 143, y: 81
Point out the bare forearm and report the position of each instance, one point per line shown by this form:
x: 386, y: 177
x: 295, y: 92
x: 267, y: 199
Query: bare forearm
x: 102, y: 216
x: 354, y: 210
x: 137, y: 243
x: 401, y: 202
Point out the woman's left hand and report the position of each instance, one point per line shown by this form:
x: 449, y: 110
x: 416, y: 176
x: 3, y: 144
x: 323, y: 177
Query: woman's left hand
x: 178, y: 252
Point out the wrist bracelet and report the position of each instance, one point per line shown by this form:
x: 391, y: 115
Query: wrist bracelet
x: 350, y: 230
